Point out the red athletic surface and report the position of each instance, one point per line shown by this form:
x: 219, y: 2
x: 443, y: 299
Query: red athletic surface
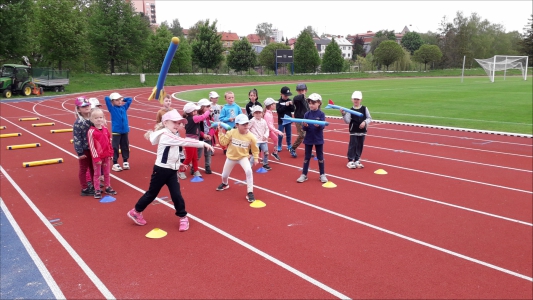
x: 320, y: 232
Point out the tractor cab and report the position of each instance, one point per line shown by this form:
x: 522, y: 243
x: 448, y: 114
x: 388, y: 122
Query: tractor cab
x: 15, y: 79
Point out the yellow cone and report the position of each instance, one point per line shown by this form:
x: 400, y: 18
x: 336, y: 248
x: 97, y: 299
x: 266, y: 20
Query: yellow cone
x: 329, y: 184
x: 156, y: 233
x: 257, y: 204
x: 380, y: 172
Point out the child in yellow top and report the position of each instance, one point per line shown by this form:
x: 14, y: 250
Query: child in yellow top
x: 239, y: 141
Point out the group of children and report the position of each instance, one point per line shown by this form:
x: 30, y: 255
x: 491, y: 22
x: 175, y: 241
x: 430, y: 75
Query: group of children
x: 181, y: 140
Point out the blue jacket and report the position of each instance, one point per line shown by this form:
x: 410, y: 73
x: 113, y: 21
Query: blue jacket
x: 228, y: 112
x: 314, y: 134
x: 119, y: 118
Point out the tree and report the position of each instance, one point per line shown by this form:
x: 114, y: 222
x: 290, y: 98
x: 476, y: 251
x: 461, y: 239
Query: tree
x: 241, y: 56
x: 267, y: 57
x: 358, y: 47
x: 306, y: 59
x: 176, y: 28
x: 332, y: 60
x: 311, y: 31
x: 193, y: 31
x: 116, y: 33
x: 389, y: 34
x: 376, y: 41
x: 183, y: 56
x: 412, y: 41
x: 264, y: 31
x: 427, y: 54
x: 62, y: 31
x: 526, y: 44
x: 16, y: 20
x: 388, y: 52
x: 207, y: 47
x: 159, y: 43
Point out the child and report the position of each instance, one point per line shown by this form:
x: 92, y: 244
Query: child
x: 284, y: 107
x: 273, y: 132
x: 208, y: 133
x: 230, y: 110
x: 167, y: 101
x: 166, y: 166
x: 117, y: 107
x: 252, y: 96
x: 300, y: 108
x: 358, y: 127
x: 81, y: 145
x: 215, y: 114
x: 192, y: 130
x: 99, y: 140
x: 314, y: 137
x: 95, y: 104
x: 259, y: 128
x: 239, y: 141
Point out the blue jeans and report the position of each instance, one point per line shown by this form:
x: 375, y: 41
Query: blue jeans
x: 288, y: 132
x: 263, y: 147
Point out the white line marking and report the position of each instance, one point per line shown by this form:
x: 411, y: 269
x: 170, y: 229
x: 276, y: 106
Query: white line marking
x: 99, y: 284
x: 34, y: 256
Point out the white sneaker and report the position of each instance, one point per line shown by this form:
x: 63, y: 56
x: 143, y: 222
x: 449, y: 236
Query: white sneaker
x: 323, y: 178
x: 126, y: 166
x: 302, y: 178
x: 351, y: 165
x: 197, y: 173
x: 182, y: 175
x: 116, y: 168
x: 359, y: 165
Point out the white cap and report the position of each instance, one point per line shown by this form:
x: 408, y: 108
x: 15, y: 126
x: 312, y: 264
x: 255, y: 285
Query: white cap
x: 190, y: 107
x: 204, y: 102
x: 115, y: 96
x: 357, y: 95
x: 241, y: 119
x: 269, y: 101
x: 315, y: 97
x: 256, y: 108
x: 213, y: 94
x: 173, y: 115
x: 94, y: 102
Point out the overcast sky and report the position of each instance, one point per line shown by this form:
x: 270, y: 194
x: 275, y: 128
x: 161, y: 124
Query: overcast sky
x: 340, y: 17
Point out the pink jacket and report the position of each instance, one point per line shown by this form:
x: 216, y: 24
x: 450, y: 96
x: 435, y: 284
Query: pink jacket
x: 269, y: 118
x: 259, y: 128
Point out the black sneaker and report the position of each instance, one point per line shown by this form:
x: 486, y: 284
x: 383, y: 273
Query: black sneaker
x: 97, y: 194
x: 90, y: 185
x: 208, y: 170
x: 250, y: 197
x: 110, y: 191
x: 276, y: 156
x: 222, y: 187
x: 87, y: 192
x: 267, y: 167
x: 293, y: 153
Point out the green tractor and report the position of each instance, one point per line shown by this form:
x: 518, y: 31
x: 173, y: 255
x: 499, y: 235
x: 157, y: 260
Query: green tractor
x: 15, y: 79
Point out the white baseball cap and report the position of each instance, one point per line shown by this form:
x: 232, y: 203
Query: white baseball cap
x: 190, y: 107
x: 357, y: 95
x: 213, y: 94
x: 241, y: 119
x: 115, y: 96
x: 315, y: 97
x: 269, y: 101
x: 256, y: 108
x: 94, y: 102
x: 204, y: 102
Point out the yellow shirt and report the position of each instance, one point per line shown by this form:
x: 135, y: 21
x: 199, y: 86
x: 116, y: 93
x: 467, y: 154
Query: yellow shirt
x: 238, y: 144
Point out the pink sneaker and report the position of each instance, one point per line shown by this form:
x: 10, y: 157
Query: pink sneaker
x: 137, y: 217
x: 184, y: 223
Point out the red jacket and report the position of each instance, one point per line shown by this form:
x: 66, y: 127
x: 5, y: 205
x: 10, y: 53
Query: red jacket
x: 99, y: 143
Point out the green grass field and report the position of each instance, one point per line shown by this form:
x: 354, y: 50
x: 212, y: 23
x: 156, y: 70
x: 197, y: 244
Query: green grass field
x: 475, y: 103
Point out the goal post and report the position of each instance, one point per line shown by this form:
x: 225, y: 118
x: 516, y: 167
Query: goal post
x: 503, y: 63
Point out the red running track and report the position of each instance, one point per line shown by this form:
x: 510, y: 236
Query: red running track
x: 451, y: 219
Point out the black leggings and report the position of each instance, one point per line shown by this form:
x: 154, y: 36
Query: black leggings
x: 121, y: 142
x: 319, y: 149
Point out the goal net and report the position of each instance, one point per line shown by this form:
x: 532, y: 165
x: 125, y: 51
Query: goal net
x: 503, y: 63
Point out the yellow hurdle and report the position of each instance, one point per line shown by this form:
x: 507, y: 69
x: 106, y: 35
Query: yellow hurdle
x: 42, y: 162
x: 29, y: 119
x: 2, y: 127
x: 6, y: 135
x: 43, y: 124
x: 60, y: 130
x: 23, y: 146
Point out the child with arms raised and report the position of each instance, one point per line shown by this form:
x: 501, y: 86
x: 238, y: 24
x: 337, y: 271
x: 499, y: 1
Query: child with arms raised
x: 118, y: 107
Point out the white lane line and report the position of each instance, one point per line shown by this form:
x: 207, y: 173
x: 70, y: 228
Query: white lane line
x: 440, y: 157
x: 34, y: 256
x: 339, y: 215
x: 97, y: 282
x: 235, y: 239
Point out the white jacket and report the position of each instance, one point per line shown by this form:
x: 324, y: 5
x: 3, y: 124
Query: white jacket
x: 168, y: 150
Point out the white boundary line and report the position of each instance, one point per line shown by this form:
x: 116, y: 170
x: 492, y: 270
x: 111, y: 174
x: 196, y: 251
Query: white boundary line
x: 99, y: 284
x: 52, y: 284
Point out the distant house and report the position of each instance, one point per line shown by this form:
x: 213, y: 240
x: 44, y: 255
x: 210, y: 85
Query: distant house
x: 258, y: 48
x: 369, y: 36
x: 228, y: 38
x: 291, y: 42
x: 345, y: 46
x: 255, y: 39
x: 321, y: 45
x: 186, y: 33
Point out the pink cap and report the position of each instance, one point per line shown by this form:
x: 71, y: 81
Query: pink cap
x: 173, y: 115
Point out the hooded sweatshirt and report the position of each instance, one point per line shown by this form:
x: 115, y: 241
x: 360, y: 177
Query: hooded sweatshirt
x: 168, y: 153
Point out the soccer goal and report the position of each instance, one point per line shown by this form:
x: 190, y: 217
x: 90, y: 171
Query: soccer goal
x: 503, y: 63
